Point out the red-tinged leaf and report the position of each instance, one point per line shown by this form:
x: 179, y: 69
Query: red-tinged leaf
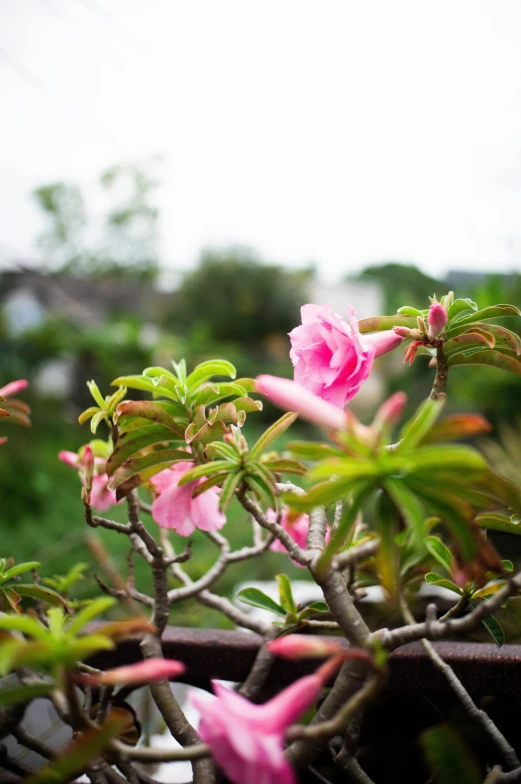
x: 497, y: 522
x: 496, y: 311
x: 457, y: 426
x: 468, y: 340
x: 17, y: 405
x: 486, y: 357
x: 206, y: 434
x: 378, y: 323
x: 146, y: 409
x: 43, y: 594
x: 132, y: 442
x: 13, y: 599
x: 85, y: 746
x: 138, y: 470
x: 19, y: 417
x: 501, y: 334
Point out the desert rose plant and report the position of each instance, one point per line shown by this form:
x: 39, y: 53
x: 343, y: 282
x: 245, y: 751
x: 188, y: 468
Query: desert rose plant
x: 395, y: 504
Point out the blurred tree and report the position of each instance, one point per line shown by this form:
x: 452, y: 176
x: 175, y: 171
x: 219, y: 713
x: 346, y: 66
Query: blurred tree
x: 123, y: 241
x: 233, y: 296
x: 402, y: 284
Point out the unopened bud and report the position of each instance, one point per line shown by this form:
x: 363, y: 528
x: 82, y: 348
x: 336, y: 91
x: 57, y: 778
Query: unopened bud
x: 390, y: 411
x: 299, y: 646
x: 88, y: 467
x: 410, y: 354
x: 437, y: 319
x: 407, y: 333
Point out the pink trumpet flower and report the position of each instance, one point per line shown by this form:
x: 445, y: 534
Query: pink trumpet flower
x: 176, y: 508
x: 142, y: 672
x: 13, y: 387
x: 247, y: 740
x: 291, y: 396
x: 330, y: 356
x: 100, y: 498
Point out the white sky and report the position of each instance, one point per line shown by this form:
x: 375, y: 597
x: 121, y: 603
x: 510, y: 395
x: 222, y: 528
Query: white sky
x: 340, y: 132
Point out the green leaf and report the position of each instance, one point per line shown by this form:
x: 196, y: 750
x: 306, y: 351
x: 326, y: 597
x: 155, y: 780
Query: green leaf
x: 225, y: 451
x: 447, y: 456
x: 388, y: 555
x: 271, y: 434
x: 96, y: 419
x: 42, y: 594
x: 262, y: 490
x: 230, y: 485
x: 409, y: 506
x: 496, y: 311
x: 95, y: 608
x: 486, y: 357
x: 459, y: 306
x: 432, y: 578
x: 285, y: 593
x: 96, y: 394
x: 14, y: 571
x: 285, y: 465
x: 193, y: 474
x: 257, y: 598
x: 495, y: 630
x: 25, y: 624
x: 206, y: 370
x: 440, y: 551
x: 144, y: 384
x: 468, y: 340
x: 11, y: 695
x: 345, y: 468
x: 309, y: 450
x: 349, y: 514
x: 448, y: 758
x: 211, y: 393
x: 86, y: 746
x: 407, y: 310
x: 87, y: 414
x: 417, y: 428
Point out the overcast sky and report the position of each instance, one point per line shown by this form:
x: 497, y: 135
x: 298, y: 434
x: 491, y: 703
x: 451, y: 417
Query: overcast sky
x: 342, y: 132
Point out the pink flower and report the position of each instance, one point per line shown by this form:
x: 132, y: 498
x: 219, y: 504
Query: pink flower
x: 331, y: 358
x: 291, y: 396
x: 297, y: 529
x: 13, y: 387
x: 175, y: 507
x: 142, y: 672
x: 437, y: 319
x: 101, y: 498
x: 247, y: 740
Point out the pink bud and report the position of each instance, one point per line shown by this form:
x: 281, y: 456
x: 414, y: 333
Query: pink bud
x: 13, y: 387
x: 410, y: 354
x: 437, y: 319
x: 407, y: 333
x: 300, y: 646
x: 69, y: 458
x: 88, y: 466
x: 143, y: 672
x: 383, y: 342
x: 291, y: 396
x: 390, y: 411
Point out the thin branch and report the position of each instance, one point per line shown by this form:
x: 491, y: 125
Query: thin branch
x: 24, y: 738
x: 147, y: 754
x: 479, y: 716
x: 432, y: 629
x: 355, y: 554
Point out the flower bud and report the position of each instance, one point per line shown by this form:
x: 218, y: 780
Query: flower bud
x: 437, y: 319
x: 142, y: 672
x: 300, y: 646
x: 390, y: 411
x: 407, y: 333
x: 88, y: 467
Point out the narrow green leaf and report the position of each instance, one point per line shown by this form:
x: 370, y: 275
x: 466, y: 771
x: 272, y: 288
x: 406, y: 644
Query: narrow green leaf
x: 205, y: 470
x: 410, y: 508
x: 11, y: 695
x: 440, y: 551
x: 285, y: 593
x: 271, y: 434
x: 212, y: 481
x: 139, y: 469
x: 345, y: 468
x: 495, y: 630
x: 496, y: 311
x: 96, y: 394
x: 285, y: 465
x: 96, y: 420
x: 262, y: 490
x: 42, y: 594
x: 206, y: 370
x: 14, y: 571
x: 417, y: 428
x: 87, y: 414
x: 256, y: 598
x: 349, y: 513
x: 497, y: 522
x: 468, y: 340
x: 230, y: 485
x: 309, y: 450
x: 407, y: 310
x: 25, y: 624
x: 95, y: 608
x: 145, y: 385
x: 432, y: 578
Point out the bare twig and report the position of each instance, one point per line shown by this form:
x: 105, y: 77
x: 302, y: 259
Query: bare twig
x: 355, y: 554
x: 479, y: 716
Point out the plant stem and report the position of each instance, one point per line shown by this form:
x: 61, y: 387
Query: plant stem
x: 442, y: 372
